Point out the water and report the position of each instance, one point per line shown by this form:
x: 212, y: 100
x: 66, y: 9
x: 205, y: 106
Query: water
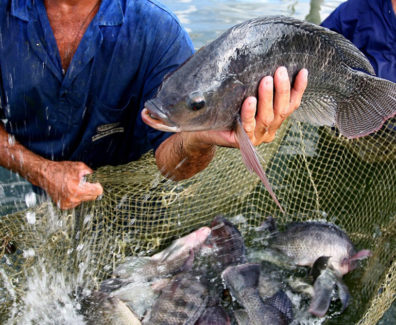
x: 204, y: 20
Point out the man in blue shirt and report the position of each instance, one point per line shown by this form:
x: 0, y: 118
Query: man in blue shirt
x: 74, y: 76
x: 371, y: 26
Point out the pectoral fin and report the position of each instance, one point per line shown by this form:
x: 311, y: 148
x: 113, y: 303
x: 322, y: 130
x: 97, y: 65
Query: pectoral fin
x: 251, y: 160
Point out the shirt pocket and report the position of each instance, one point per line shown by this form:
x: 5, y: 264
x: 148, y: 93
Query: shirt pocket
x: 104, y: 134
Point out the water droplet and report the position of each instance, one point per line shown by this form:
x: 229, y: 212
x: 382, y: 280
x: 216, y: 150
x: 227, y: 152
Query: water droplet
x: 31, y: 217
x: 29, y: 253
x: 11, y: 140
x: 30, y: 199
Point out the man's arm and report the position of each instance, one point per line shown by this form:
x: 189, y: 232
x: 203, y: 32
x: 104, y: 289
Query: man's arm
x: 61, y: 180
x: 184, y: 154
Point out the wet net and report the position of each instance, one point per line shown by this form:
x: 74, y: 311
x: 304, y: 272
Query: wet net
x: 315, y: 173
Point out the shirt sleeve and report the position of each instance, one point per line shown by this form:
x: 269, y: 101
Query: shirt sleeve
x: 172, y: 49
x: 343, y: 19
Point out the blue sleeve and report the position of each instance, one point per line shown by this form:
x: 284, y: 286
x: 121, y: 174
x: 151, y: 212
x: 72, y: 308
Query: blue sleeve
x: 172, y: 47
x: 343, y: 19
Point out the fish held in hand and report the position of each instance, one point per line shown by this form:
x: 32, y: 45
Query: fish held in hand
x: 206, y: 92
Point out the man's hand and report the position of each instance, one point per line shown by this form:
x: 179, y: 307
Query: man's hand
x: 184, y: 154
x: 65, y: 183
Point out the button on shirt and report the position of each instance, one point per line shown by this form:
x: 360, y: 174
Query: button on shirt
x: 371, y: 26
x: 91, y: 112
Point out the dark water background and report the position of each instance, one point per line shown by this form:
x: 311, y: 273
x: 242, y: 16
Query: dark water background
x: 204, y: 20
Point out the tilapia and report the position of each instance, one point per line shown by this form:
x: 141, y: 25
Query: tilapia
x: 207, y: 91
x: 305, y: 242
x: 243, y: 280
x: 182, y: 302
x: 169, y: 261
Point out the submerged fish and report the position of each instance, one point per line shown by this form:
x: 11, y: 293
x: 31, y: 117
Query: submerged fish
x: 206, y: 93
x: 243, y: 281
x: 305, y: 242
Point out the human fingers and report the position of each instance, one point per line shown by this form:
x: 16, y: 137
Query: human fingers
x: 248, y: 116
x: 265, y: 109
x: 300, y: 84
x: 281, y: 98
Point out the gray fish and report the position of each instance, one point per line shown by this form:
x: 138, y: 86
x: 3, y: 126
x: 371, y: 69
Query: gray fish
x: 182, y: 302
x: 207, y: 91
x: 305, y: 242
x: 243, y: 280
x: 169, y: 261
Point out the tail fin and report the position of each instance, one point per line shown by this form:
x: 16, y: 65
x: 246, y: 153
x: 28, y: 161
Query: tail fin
x: 323, y: 289
x: 367, y: 112
x: 241, y: 277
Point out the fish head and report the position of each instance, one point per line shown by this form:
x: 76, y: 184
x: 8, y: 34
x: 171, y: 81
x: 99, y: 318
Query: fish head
x: 195, y: 97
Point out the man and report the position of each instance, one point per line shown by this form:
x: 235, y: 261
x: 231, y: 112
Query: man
x: 74, y: 76
x: 371, y: 26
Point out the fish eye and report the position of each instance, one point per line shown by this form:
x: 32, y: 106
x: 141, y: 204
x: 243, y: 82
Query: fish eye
x: 196, y: 102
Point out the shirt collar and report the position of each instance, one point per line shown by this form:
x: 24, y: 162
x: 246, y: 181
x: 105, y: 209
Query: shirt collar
x: 110, y: 12
x: 19, y: 9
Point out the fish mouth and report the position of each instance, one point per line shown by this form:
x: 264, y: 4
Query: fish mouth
x: 153, y: 116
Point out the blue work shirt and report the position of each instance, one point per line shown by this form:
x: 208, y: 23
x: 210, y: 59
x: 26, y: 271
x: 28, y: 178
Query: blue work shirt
x: 371, y: 26
x: 92, y: 112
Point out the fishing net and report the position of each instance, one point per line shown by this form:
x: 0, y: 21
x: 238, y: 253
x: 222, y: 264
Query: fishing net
x: 315, y: 173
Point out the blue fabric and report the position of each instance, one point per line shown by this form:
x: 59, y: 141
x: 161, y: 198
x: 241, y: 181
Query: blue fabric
x: 92, y: 113
x: 371, y: 26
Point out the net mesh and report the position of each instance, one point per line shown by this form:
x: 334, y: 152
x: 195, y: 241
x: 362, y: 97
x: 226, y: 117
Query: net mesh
x: 315, y: 173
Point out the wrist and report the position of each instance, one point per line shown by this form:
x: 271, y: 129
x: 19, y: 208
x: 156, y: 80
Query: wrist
x: 197, y: 142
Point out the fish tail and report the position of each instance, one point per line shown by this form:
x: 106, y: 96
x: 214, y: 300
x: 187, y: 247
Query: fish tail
x: 367, y: 113
x: 323, y: 288
x: 240, y: 277
x: 343, y: 294
x: 251, y: 160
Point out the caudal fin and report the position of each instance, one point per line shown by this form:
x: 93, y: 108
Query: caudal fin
x: 251, y: 160
x: 241, y: 277
x: 367, y: 112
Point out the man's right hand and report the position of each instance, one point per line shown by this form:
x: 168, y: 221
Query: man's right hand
x: 65, y: 183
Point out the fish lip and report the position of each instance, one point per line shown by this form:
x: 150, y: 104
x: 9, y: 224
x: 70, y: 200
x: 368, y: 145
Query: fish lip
x: 153, y: 116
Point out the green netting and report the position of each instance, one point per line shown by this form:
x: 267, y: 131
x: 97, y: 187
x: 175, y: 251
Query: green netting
x: 315, y: 173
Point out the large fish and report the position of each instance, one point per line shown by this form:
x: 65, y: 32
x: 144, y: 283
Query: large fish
x: 206, y: 93
x: 305, y: 242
